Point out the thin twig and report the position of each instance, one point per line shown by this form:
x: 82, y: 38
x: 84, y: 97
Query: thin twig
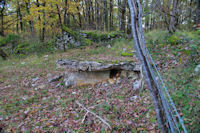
x: 84, y: 117
x: 88, y: 111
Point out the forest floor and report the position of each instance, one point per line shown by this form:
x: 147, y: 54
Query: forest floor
x: 28, y: 103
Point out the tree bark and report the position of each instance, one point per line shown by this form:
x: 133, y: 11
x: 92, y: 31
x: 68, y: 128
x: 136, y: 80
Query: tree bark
x: 172, y: 27
x: 139, y: 43
x: 106, y: 15
x: 123, y: 16
x: 20, y: 17
x: 198, y: 12
x: 119, y: 13
x: 44, y: 23
x: 59, y: 17
x: 2, y: 17
x: 111, y: 14
x: 28, y: 12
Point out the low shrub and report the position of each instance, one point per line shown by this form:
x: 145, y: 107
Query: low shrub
x: 11, y: 38
x: 173, y: 40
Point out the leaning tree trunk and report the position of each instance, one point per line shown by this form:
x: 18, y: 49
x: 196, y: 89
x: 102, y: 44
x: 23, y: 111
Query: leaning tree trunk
x: 139, y: 42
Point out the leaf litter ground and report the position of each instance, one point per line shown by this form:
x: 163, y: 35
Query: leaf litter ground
x: 29, y: 103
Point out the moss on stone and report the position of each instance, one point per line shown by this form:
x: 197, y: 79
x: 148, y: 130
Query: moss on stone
x: 127, y: 54
x: 98, y: 36
x: 77, y: 36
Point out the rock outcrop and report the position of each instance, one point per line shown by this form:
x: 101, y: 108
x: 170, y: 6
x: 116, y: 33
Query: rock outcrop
x: 66, y: 41
x: 71, y: 39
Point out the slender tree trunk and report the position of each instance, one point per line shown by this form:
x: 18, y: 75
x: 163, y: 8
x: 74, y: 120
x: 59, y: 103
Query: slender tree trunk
x: 2, y: 18
x: 92, y: 10
x: 198, y: 12
x: 65, y: 13
x: 87, y: 17
x: 147, y: 17
x: 98, y: 20
x: 59, y: 17
x: 172, y: 27
x: 111, y: 14
x: 79, y: 17
x: 123, y: 16
x: 119, y: 13
x: 129, y: 22
x: 44, y: 23
x: 39, y: 19
x: 106, y: 15
x: 28, y: 12
x: 17, y: 25
x: 20, y: 17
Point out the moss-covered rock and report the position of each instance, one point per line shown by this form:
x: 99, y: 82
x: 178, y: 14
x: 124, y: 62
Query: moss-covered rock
x: 97, y: 36
x: 127, y: 54
x: 77, y: 36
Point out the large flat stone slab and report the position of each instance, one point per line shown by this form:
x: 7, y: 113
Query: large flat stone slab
x: 75, y: 65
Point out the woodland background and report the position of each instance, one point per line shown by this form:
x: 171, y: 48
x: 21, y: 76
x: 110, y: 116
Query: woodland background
x: 29, y: 30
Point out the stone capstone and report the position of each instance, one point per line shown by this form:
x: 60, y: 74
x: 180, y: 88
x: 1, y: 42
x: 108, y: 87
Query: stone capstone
x: 95, y: 66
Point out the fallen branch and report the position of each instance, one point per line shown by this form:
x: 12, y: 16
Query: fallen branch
x: 84, y: 117
x: 88, y: 111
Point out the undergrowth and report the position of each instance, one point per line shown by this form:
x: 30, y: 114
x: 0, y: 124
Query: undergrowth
x: 177, y: 56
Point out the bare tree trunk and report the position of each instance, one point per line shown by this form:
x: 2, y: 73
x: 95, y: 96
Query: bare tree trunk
x: 79, y: 17
x: 2, y: 17
x: 111, y: 14
x: 139, y: 43
x: 39, y: 19
x: 65, y: 13
x: 172, y: 27
x: 92, y: 11
x: 106, y: 15
x: 123, y: 16
x: 197, y: 12
x: 87, y: 15
x: 44, y: 23
x: 59, y: 17
x: 17, y: 25
x: 129, y: 22
x: 119, y: 13
x: 97, y: 14
x: 28, y: 12
x: 20, y: 17
x: 147, y: 17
